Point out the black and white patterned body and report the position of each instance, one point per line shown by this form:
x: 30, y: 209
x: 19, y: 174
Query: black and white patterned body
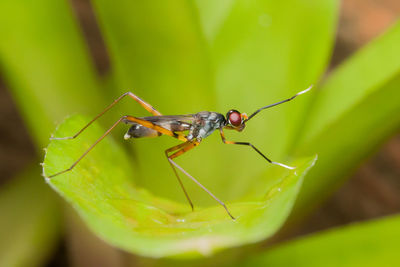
x: 198, y: 126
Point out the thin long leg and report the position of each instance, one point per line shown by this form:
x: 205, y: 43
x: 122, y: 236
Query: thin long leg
x: 143, y: 103
x: 176, y: 173
x: 258, y: 151
x: 180, y: 152
x: 90, y: 148
x: 124, y: 118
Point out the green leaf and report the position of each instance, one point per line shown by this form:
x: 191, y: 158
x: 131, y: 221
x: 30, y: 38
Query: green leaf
x: 355, y: 111
x: 373, y: 243
x: 102, y: 190
x: 263, y: 52
x: 45, y: 63
x: 188, y: 56
x: 363, y: 74
x: 30, y: 221
x: 157, y: 52
x: 266, y: 51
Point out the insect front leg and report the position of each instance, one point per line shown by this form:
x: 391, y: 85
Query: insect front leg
x: 258, y: 151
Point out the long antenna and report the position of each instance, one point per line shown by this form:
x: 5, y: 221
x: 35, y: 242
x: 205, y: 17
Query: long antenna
x: 280, y: 102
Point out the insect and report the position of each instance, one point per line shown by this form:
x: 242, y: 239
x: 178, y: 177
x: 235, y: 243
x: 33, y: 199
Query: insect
x: 191, y: 129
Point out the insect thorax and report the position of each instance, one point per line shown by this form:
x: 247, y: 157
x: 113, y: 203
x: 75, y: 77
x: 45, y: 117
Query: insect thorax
x: 204, y: 124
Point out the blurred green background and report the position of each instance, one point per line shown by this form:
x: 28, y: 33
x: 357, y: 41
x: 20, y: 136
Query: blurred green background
x: 59, y: 58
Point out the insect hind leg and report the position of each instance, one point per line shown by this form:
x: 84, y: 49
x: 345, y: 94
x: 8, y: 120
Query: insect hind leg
x: 90, y: 148
x: 131, y: 120
x: 143, y: 103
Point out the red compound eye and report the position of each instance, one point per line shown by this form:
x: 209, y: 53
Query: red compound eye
x: 235, y: 118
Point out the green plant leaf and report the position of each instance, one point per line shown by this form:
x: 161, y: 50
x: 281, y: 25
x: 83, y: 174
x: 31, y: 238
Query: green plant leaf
x: 363, y: 74
x: 157, y: 52
x: 102, y: 190
x: 45, y: 63
x: 30, y: 221
x: 263, y: 52
x: 266, y: 51
x: 373, y: 243
x: 188, y: 56
x: 359, y: 101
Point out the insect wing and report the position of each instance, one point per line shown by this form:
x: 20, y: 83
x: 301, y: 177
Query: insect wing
x: 175, y: 123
